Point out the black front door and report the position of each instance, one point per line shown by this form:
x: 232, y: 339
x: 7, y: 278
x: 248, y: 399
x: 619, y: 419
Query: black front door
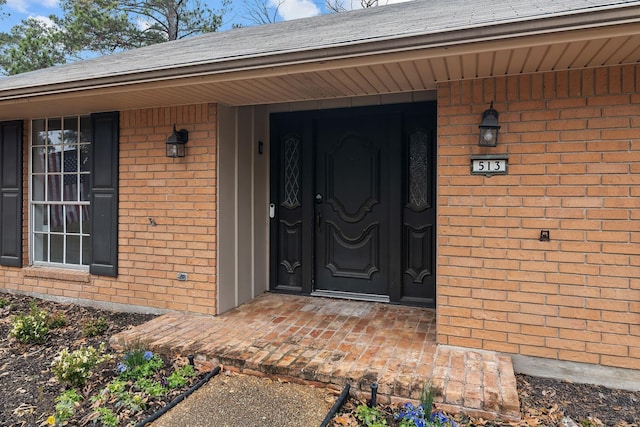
x: 353, y: 202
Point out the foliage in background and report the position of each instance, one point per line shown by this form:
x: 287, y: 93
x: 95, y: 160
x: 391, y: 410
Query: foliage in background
x: 31, y: 45
x: 88, y: 28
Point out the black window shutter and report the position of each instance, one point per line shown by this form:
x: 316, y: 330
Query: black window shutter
x: 11, y: 193
x: 104, y: 194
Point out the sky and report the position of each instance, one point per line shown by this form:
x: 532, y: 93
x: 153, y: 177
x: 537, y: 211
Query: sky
x: 289, y: 9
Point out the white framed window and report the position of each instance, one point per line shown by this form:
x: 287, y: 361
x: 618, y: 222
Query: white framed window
x: 59, y: 191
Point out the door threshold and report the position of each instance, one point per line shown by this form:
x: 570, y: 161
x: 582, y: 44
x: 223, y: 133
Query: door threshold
x: 351, y: 295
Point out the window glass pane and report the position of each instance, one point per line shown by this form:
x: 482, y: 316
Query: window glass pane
x: 40, y: 247
x: 39, y: 136
x: 40, y: 218
x: 85, y: 250
x: 54, y: 193
x: 54, y: 134
x: 73, y: 218
x: 85, y: 129
x: 37, y: 188
x: 70, y: 130
x: 84, y: 158
x: 84, y: 187
x: 57, y: 248
x: 70, y: 187
x: 86, y: 223
x: 57, y: 218
x: 73, y: 250
x: 70, y: 159
x: 39, y: 156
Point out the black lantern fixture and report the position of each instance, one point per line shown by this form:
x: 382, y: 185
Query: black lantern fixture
x: 176, y: 142
x: 489, y: 128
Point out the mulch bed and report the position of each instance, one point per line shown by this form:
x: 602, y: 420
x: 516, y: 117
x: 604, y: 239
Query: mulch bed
x: 28, y: 387
x: 543, y: 402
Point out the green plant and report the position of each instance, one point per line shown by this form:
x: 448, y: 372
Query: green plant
x: 427, y: 396
x: 32, y: 327
x: 66, y: 405
x: 94, y: 327
x: 370, y: 417
x: 74, y: 368
x: 4, y: 302
x: 139, y: 363
x: 132, y: 401
x: 180, y: 376
x: 106, y: 416
x: 58, y: 320
x: 151, y: 387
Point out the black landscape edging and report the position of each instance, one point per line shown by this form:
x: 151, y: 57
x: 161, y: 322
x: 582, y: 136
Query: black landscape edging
x: 179, y: 399
x: 336, y: 406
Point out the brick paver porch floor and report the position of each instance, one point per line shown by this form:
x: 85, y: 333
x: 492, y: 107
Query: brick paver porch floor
x: 332, y: 341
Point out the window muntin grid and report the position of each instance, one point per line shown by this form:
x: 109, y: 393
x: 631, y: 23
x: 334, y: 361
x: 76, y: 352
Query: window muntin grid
x: 59, y: 191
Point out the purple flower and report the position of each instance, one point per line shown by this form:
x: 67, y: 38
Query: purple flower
x: 121, y: 367
x: 148, y: 355
x: 442, y: 419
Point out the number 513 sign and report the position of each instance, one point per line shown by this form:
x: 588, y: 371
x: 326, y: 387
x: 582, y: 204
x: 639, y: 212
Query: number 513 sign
x: 492, y: 164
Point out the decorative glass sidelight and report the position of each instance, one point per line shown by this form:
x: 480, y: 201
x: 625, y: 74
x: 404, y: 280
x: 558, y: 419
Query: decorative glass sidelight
x: 292, y: 178
x: 418, y: 171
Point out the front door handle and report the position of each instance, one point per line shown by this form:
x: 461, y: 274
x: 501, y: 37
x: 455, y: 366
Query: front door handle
x: 319, y: 210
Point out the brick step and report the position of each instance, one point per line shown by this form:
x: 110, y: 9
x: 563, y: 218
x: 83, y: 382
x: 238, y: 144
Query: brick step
x: 333, y: 342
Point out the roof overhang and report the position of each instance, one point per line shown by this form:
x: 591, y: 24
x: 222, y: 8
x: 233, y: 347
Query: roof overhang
x: 384, y: 66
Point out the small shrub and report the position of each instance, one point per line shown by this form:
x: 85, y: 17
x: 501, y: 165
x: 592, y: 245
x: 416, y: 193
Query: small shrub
x: 66, y: 405
x: 180, y: 376
x: 151, y: 387
x: 58, y: 320
x: 94, y: 327
x: 32, y: 327
x: 76, y: 367
x: 106, y: 417
x: 370, y: 417
x: 139, y: 363
x: 131, y: 401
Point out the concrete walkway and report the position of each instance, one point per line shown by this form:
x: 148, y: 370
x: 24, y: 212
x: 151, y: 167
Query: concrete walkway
x: 333, y: 342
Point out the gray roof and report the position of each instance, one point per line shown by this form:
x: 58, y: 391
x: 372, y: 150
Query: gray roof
x: 361, y: 27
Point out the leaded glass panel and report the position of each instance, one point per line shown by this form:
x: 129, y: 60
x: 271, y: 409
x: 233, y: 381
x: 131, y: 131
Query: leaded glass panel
x: 419, y: 170
x: 292, y: 176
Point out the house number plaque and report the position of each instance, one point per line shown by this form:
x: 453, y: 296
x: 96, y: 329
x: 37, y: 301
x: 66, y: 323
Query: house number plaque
x: 490, y: 164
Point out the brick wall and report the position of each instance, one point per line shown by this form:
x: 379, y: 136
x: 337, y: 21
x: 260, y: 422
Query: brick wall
x: 179, y: 194
x: 573, y: 140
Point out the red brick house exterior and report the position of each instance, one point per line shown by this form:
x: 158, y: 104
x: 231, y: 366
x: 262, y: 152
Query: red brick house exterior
x: 572, y: 140
x: 570, y: 130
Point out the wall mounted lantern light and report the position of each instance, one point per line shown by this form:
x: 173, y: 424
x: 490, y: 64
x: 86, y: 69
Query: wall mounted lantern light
x: 489, y: 128
x: 176, y: 142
